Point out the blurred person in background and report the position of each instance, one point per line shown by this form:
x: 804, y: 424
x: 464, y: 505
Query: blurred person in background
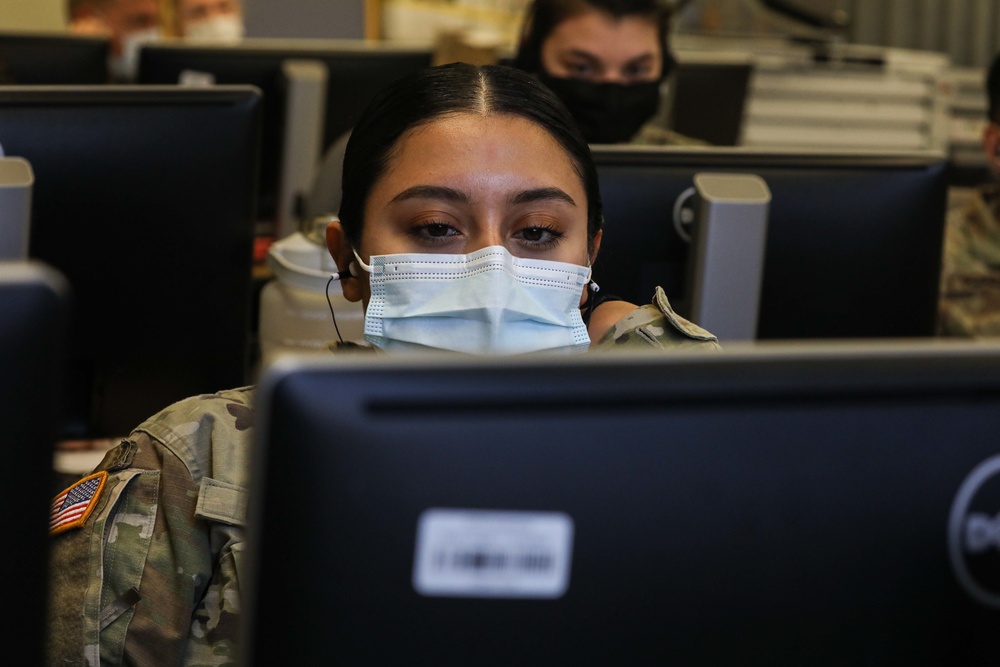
x: 970, y: 272
x: 127, y: 23
x: 209, y: 21
x: 607, y: 60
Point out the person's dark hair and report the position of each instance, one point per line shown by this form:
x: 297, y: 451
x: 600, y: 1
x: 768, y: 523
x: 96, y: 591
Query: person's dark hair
x: 993, y: 89
x: 430, y: 94
x: 543, y: 16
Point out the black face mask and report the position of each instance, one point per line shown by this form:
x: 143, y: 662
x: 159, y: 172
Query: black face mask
x: 606, y: 113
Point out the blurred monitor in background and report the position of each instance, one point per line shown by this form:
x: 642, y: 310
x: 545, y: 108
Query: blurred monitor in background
x: 53, y: 58
x: 143, y: 198
x: 356, y: 70
x: 853, y: 244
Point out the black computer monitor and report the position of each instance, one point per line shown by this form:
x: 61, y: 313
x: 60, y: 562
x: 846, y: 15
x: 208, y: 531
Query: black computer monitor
x: 33, y: 300
x: 144, y: 199
x: 356, y: 71
x: 853, y: 244
x: 28, y: 58
x: 709, y: 97
x: 791, y: 504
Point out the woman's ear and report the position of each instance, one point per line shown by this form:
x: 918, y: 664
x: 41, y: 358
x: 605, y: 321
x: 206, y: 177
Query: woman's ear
x: 343, y: 255
x: 595, y: 246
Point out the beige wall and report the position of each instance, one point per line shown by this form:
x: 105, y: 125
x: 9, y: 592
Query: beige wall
x: 32, y: 14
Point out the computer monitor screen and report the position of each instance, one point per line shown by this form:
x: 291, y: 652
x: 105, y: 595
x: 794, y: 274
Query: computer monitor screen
x: 53, y: 59
x: 356, y: 71
x: 709, y: 98
x: 853, y: 244
x: 786, y: 505
x: 33, y: 301
x: 143, y: 198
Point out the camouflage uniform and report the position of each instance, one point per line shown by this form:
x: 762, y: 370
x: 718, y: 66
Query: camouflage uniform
x: 655, y: 325
x: 151, y: 577
x: 970, y: 272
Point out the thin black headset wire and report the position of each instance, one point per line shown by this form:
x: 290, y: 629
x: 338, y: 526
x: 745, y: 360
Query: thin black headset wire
x: 330, y: 303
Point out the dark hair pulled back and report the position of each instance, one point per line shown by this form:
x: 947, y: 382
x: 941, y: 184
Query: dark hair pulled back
x: 543, y: 16
x: 430, y: 94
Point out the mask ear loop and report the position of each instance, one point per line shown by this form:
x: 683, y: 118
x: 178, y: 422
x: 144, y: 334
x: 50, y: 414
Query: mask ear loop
x: 341, y: 275
x: 329, y: 302
x: 592, y: 288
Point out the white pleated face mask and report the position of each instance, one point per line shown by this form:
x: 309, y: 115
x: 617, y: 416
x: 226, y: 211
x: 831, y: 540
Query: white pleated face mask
x: 485, y: 302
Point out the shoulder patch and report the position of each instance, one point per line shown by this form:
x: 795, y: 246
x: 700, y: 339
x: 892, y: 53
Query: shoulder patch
x: 71, y: 508
x: 686, y: 327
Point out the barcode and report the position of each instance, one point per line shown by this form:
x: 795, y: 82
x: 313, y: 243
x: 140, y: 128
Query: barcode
x: 492, y: 554
x: 494, y: 561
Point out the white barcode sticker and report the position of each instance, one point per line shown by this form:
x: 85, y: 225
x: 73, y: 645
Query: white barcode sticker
x: 492, y: 554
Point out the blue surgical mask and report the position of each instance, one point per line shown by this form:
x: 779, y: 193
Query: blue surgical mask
x: 485, y: 302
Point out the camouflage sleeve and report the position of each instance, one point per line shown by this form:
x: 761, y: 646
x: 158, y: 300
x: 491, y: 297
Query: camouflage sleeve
x: 145, y: 577
x: 969, y: 303
x: 656, y: 326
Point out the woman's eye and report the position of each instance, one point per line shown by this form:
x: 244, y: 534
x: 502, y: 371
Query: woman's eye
x: 432, y: 232
x: 638, y: 73
x: 581, y: 70
x: 533, y: 234
x: 539, y: 236
x: 437, y: 230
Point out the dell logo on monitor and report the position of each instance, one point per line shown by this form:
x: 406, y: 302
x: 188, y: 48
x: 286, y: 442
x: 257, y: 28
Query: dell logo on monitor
x: 974, y: 533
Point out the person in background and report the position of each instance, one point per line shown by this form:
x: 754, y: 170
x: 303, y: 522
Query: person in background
x: 970, y: 272
x: 477, y: 175
x: 607, y: 60
x: 209, y: 21
x: 127, y: 23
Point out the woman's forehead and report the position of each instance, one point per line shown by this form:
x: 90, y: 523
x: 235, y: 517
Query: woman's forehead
x: 466, y: 146
x: 600, y: 33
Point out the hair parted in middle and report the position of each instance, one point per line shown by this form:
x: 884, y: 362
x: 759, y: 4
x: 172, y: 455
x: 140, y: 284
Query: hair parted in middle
x: 457, y: 88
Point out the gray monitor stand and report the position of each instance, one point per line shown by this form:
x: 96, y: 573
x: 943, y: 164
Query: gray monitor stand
x: 16, y: 182
x: 727, y: 253
x: 305, y: 105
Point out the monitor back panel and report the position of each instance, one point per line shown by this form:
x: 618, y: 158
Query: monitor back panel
x: 53, y: 59
x: 853, y: 244
x: 143, y: 198
x: 356, y: 71
x: 709, y: 100
x: 33, y: 300
x: 757, y: 510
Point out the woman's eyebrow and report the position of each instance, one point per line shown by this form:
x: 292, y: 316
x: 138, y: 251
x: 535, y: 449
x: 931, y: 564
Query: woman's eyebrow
x: 580, y: 54
x: 432, y: 192
x: 541, y: 194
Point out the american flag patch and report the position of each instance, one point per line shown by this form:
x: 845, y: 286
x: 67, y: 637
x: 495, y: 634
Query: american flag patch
x: 72, y: 507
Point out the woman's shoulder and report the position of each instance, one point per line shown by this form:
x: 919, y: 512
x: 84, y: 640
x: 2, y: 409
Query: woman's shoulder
x: 656, y: 325
x: 207, y: 431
